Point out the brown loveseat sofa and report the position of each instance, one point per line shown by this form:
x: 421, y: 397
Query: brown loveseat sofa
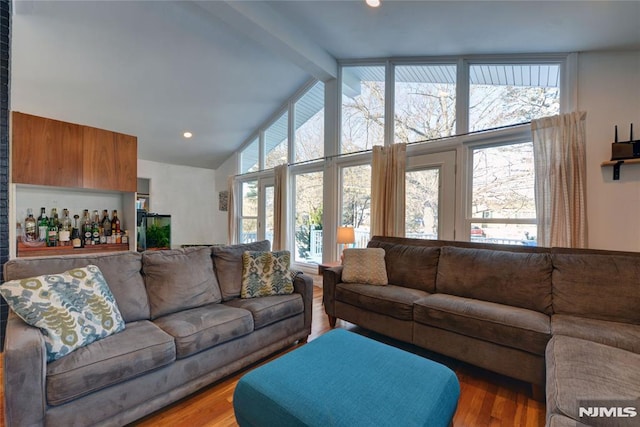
x: 185, y: 328
x: 568, y: 318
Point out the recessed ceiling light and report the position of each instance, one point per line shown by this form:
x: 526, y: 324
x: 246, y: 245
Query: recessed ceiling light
x: 187, y: 134
x: 373, y: 3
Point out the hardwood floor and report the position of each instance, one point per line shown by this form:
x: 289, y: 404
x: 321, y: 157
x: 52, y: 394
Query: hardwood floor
x: 486, y: 399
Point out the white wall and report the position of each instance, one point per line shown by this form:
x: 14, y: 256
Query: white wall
x: 609, y: 91
x: 189, y: 195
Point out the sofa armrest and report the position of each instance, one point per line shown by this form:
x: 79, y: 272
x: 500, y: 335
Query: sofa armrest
x: 331, y: 277
x: 303, y: 284
x: 25, y: 366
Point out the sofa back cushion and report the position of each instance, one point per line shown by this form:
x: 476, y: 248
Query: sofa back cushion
x: 410, y: 266
x: 513, y: 278
x: 598, y: 286
x: 122, y: 272
x: 179, y: 279
x: 227, y: 261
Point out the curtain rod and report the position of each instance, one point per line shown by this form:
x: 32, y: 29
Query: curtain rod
x: 423, y: 141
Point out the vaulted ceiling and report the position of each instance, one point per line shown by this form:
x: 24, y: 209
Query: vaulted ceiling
x: 219, y: 69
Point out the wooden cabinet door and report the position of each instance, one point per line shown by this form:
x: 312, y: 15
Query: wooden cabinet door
x: 46, y: 151
x: 110, y: 160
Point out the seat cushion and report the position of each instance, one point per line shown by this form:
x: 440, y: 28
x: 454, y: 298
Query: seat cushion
x: 271, y: 309
x: 513, y: 327
x: 390, y: 300
x: 622, y: 335
x: 201, y: 328
x: 140, y: 348
x: 584, y: 373
x: 179, y: 279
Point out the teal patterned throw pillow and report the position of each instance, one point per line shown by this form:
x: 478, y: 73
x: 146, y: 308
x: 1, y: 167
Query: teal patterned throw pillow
x: 266, y: 273
x: 72, y: 309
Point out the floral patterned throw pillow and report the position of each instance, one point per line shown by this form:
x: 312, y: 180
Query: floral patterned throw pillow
x: 266, y: 273
x: 72, y: 309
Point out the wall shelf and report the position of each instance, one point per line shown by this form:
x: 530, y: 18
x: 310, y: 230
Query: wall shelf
x: 616, y: 165
x: 30, y: 251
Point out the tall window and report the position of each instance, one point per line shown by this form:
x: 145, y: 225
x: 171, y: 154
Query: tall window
x: 362, y: 107
x: 425, y: 102
x: 249, y: 212
x: 249, y: 157
x: 309, y: 124
x: 422, y: 189
x: 276, y: 142
x: 356, y: 202
x: 308, y: 217
x: 505, y: 94
x: 503, y: 205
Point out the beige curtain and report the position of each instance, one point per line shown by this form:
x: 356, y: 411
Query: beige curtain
x: 559, y: 148
x: 387, y: 190
x: 232, y: 221
x: 281, y: 218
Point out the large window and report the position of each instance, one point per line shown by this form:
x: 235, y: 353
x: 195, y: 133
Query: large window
x: 356, y: 202
x: 502, y: 203
x: 249, y: 157
x: 308, y: 217
x: 249, y: 212
x: 276, y: 142
x: 309, y: 124
x: 422, y: 203
x: 362, y: 107
x: 505, y: 94
x: 425, y: 102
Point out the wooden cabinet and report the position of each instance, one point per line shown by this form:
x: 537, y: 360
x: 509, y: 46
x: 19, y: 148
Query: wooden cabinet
x: 46, y: 152
x: 61, y: 154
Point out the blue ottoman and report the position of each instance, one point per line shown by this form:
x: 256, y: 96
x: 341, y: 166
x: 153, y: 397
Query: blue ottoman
x: 344, y: 379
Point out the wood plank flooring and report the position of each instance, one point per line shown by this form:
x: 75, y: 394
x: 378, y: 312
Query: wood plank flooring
x: 486, y: 399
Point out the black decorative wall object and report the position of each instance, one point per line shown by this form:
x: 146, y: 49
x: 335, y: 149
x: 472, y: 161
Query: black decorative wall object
x: 5, y: 33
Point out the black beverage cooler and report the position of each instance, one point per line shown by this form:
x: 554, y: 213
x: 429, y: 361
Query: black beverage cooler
x: 154, y: 231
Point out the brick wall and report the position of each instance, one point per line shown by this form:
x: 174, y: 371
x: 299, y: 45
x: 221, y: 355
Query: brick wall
x: 5, y: 30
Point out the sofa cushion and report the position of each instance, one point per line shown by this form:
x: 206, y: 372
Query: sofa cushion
x: 390, y: 300
x: 227, y: 263
x: 514, y: 327
x: 122, y: 271
x: 201, y: 328
x: 622, y: 335
x: 72, y: 309
x: 511, y: 278
x: 581, y: 372
x: 364, y: 266
x: 271, y: 309
x: 599, y: 286
x: 140, y: 348
x: 410, y: 266
x: 179, y: 279
x: 266, y: 273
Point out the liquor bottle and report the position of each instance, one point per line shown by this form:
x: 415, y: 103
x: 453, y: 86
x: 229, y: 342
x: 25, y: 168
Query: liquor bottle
x: 30, y: 227
x: 64, y: 232
x: 54, y: 216
x: 43, y: 225
x: 106, y: 227
x: 76, y: 239
x: 115, y: 227
x: 87, y: 231
x: 95, y: 228
x: 52, y: 233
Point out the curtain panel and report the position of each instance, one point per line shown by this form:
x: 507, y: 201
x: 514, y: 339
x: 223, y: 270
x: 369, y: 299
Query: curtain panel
x: 232, y: 222
x: 559, y: 146
x: 388, y: 190
x: 281, y: 219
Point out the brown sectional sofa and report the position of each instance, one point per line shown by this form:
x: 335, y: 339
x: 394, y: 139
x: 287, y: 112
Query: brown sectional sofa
x: 566, y: 318
x: 185, y: 328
